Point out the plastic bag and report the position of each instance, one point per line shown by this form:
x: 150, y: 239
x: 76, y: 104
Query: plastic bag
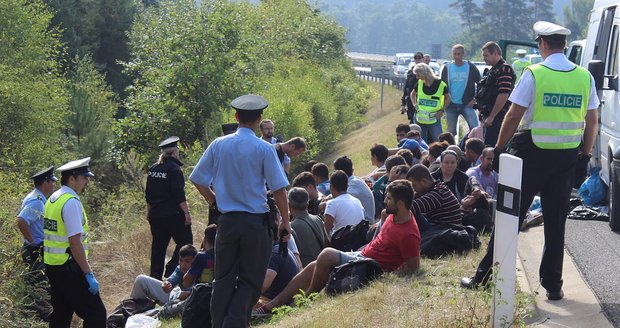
x: 142, y: 321
x: 593, y: 190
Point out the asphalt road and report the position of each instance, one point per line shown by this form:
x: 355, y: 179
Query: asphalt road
x: 595, y: 249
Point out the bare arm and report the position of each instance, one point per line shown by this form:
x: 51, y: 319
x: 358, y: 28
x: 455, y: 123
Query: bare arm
x: 269, y: 277
x: 282, y: 202
x: 206, y: 192
x: 77, y: 251
x: 188, y: 280
x: 411, y: 265
x: 510, y: 124
x: 500, y: 101
x: 329, y: 223
x: 23, y: 228
x: 589, y: 133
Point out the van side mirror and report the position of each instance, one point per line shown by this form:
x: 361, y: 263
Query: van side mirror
x: 597, y: 69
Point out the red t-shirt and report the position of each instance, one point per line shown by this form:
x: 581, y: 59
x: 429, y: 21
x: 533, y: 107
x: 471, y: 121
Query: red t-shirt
x: 394, y: 244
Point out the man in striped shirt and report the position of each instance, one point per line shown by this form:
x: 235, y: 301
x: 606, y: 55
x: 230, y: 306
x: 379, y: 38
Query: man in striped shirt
x: 433, y: 201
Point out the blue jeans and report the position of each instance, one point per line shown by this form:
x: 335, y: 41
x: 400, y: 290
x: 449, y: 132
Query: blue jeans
x: 430, y: 132
x: 452, y: 116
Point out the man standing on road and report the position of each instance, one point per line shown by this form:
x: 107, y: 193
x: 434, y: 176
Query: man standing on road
x: 410, y: 84
x: 74, y: 288
x: 243, y: 241
x: 167, y: 210
x: 494, y: 89
x: 461, y: 78
x: 552, y: 102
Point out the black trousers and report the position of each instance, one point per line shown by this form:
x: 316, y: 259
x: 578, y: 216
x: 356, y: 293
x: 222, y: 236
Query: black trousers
x: 69, y: 292
x: 550, y: 173
x: 491, y: 133
x: 162, y: 230
x: 242, y: 252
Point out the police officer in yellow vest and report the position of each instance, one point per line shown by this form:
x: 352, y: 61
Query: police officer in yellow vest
x: 432, y: 98
x: 554, y: 106
x: 74, y: 288
x: 520, y: 64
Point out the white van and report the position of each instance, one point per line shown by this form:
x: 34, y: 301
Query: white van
x: 401, y: 64
x: 575, y: 51
x: 602, y: 58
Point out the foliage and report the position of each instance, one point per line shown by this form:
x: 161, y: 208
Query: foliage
x: 32, y: 97
x: 301, y: 301
x: 575, y: 21
x: 92, y: 106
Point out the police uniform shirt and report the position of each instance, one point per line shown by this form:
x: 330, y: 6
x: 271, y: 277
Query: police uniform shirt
x: 72, y: 214
x: 32, y: 212
x: 241, y: 155
x: 524, y: 93
x: 165, y: 188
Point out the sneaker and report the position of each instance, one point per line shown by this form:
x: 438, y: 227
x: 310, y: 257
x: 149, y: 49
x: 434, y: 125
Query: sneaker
x: 260, y: 312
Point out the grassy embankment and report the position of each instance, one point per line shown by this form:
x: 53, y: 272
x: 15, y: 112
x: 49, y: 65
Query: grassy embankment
x: 432, y: 298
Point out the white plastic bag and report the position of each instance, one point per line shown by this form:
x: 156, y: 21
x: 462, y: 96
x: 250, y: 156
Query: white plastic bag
x: 142, y: 321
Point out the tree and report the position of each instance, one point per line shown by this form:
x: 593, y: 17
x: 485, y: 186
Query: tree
x: 32, y: 95
x: 469, y: 13
x: 541, y: 10
x: 574, y: 17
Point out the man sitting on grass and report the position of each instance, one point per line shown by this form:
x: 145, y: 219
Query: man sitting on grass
x: 160, y: 291
x: 202, y: 269
x: 396, y: 248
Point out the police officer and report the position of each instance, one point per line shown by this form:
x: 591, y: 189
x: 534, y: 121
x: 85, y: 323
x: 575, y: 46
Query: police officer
x: 74, y: 288
x: 410, y: 84
x: 493, y: 90
x: 552, y: 101
x: 167, y: 210
x: 520, y: 64
x: 30, y: 218
x: 241, y: 167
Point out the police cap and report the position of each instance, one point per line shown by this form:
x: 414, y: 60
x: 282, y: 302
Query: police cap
x: 169, y: 142
x: 77, y: 167
x: 45, y: 174
x: 249, y: 103
x: 542, y: 28
x: 229, y: 128
x: 521, y: 52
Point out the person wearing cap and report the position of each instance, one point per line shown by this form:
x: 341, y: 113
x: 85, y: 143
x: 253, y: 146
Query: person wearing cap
x: 30, y: 218
x: 520, y: 64
x: 410, y: 84
x: 554, y: 108
x: 461, y: 77
x: 243, y: 243
x: 432, y: 97
x: 167, y: 210
x: 493, y: 90
x: 74, y: 288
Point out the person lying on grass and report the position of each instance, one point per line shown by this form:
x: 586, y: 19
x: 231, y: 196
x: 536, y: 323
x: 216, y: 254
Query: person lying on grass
x: 396, y: 248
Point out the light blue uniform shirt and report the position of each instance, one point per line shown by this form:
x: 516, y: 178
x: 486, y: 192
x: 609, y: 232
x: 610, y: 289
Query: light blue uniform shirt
x: 238, y: 166
x: 457, y: 79
x: 32, y: 212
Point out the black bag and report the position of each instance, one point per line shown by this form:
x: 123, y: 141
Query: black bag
x: 351, y: 237
x: 126, y: 309
x: 352, y: 276
x: 197, y: 311
x: 447, y: 239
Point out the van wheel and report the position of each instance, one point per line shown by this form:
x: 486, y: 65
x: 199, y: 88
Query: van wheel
x: 614, y: 198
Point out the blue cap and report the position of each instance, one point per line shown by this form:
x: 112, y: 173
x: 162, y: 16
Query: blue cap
x: 410, y: 144
x: 45, y: 174
x: 249, y: 103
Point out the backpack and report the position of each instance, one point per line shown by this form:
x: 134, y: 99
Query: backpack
x: 351, y: 237
x: 352, y: 276
x: 197, y: 311
x: 127, y: 308
x: 447, y: 239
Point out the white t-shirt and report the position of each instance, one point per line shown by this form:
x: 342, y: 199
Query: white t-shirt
x: 346, y: 210
x: 524, y: 93
x: 71, y: 212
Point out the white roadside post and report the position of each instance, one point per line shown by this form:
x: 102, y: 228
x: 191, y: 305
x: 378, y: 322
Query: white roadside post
x: 505, y: 246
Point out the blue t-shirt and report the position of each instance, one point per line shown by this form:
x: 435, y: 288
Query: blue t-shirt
x: 285, y: 269
x: 457, y: 79
x: 203, y: 266
x: 323, y: 188
x: 32, y: 212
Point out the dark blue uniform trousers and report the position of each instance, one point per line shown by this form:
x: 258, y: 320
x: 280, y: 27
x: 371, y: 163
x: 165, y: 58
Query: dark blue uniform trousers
x: 550, y: 173
x: 242, y: 252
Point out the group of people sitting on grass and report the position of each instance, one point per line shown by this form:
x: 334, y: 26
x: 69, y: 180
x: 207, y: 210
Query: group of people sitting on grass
x: 415, y: 190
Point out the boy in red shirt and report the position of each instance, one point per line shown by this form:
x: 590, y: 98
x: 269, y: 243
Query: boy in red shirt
x: 396, y: 248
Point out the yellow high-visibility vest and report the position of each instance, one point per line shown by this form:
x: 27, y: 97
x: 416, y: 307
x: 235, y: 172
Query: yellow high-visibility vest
x: 428, y: 105
x: 55, y: 240
x: 560, y: 106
